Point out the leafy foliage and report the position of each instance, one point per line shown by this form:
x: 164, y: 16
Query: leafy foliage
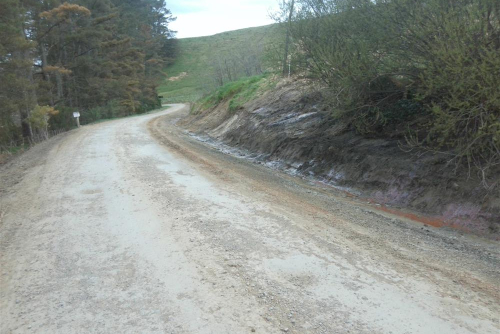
x: 39, y: 119
x: 83, y: 55
x: 430, y: 66
x: 237, y: 93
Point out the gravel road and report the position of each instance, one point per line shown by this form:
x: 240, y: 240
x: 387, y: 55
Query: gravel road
x: 132, y: 226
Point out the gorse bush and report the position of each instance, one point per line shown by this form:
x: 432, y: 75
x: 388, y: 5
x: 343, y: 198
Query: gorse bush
x: 462, y: 86
x: 430, y: 66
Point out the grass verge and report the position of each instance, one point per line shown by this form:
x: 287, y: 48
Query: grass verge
x: 237, y: 93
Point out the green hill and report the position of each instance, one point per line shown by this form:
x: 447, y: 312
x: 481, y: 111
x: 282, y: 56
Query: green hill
x: 194, y: 73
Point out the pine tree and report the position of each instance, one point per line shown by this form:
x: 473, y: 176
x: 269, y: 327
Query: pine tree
x: 17, y: 93
x: 103, y: 58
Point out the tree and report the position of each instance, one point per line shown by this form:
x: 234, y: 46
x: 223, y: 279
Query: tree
x: 285, y: 17
x: 288, y: 32
x: 17, y: 94
x: 103, y: 58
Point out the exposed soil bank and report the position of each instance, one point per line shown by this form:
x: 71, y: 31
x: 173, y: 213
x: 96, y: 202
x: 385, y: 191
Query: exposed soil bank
x: 290, y: 129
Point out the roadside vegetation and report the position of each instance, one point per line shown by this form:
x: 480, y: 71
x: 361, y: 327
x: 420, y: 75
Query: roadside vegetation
x: 424, y: 71
x: 102, y: 58
x: 236, y: 93
x: 204, y: 64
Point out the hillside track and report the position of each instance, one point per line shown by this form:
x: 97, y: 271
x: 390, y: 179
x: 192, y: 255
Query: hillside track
x: 134, y: 226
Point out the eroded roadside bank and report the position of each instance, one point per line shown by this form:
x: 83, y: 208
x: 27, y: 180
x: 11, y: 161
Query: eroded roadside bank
x: 288, y: 128
x: 335, y: 220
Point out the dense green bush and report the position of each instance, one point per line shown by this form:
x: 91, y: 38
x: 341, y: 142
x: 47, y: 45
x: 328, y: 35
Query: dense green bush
x: 10, y: 134
x: 462, y: 88
x: 432, y: 66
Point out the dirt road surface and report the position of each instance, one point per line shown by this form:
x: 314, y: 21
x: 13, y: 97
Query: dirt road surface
x: 132, y: 226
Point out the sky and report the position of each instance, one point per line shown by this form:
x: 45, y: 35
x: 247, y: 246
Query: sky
x: 208, y: 17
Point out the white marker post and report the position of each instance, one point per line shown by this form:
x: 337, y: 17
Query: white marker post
x: 289, y: 65
x: 76, y: 115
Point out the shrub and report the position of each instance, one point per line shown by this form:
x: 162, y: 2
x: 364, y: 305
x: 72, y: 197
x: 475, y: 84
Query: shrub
x: 432, y: 66
x: 462, y: 88
x: 39, y: 119
x: 238, y: 92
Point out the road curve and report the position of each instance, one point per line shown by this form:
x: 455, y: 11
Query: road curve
x: 131, y: 226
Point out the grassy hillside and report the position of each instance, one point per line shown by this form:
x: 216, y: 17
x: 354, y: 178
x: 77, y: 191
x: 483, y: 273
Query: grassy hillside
x: 192, y: 74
